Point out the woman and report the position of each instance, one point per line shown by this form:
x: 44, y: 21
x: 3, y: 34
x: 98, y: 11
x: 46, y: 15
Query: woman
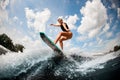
x: 64, y: 35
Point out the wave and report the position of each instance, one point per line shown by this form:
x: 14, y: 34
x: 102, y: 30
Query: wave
x: 41, y: 64
x: 15, y: 63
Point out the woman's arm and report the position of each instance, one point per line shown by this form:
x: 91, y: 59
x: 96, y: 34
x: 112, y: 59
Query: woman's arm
x: 56, y: 25
x: 64, y: 25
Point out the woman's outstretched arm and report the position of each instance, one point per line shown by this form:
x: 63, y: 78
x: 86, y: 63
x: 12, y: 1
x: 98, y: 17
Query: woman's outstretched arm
x: 56, y: 25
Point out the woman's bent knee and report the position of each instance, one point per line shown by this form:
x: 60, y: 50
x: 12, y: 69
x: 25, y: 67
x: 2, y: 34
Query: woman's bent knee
x: 60, y: 40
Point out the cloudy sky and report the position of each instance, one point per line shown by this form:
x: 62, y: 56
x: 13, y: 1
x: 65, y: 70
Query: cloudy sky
x: 95, y: 23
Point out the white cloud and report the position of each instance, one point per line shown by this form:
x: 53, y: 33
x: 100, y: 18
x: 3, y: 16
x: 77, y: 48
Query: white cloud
x: 71, y: 20
x: 21, y: 22
x: 114, y: 27
x: 14, y: 22
x: 85, y: 44
x: 37, y: 20
x: 70, y: 48
x: 94, y: 18
x: 118, y: 12
x: 106, y: 28
x: 82, y: 38
x: 12, y: 33
x: 68, y: 44
x: 109, y: 34
x: 75, y: 50
x: 91, y: 44
x: 94, y: 32
x: 3, y: 12
x: 113, y: 5
x: 118, y: 34
x: 105, y: 32
x: 4, y: 4
x: 109, y: 45
x: 30, y: 43
x: 116, y: 6
x: 13, y: 2
x: 99, y: 40
x: 15, y: 18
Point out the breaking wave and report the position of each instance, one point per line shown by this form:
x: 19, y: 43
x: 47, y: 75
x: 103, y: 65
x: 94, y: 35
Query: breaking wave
x: 43, y: 64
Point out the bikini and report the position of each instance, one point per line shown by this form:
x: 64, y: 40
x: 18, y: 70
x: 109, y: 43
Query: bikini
x: 63, y: 29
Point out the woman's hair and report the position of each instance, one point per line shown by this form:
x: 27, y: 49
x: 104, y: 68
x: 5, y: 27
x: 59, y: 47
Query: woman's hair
x: 60, y: 19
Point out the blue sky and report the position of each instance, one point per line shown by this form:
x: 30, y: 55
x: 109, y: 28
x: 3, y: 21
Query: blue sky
x: 94, y: 23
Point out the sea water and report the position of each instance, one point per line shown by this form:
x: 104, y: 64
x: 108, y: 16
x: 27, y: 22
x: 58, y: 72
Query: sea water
x: 39, y: 64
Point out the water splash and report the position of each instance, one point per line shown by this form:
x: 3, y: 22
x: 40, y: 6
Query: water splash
x: 14, y: 63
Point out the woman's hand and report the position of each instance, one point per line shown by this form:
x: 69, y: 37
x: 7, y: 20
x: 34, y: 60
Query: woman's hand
x: 52, y: 24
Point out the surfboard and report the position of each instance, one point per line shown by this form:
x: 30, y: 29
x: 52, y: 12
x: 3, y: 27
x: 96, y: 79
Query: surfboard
x: 51, y: 44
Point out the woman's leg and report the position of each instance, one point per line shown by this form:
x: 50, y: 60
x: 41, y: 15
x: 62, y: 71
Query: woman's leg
x: 61, y: 41
x: 66, y: 34
x: 61, y: 44
x: 58, y: 37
